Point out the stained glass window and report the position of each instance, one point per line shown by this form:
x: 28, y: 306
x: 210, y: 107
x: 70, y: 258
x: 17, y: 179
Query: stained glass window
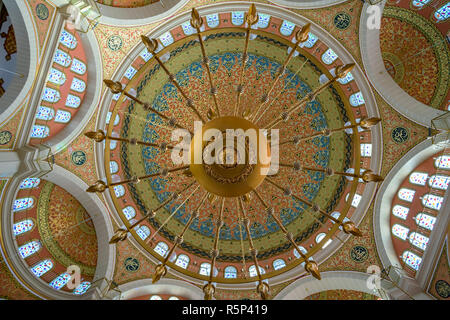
x: 230, y: 272
x: 112, y: 144
x: 443, y: 162
x: 78, y: 85
x: 425, y: 221
x: 329, y: 56
x: 166, y: 39
x: 418, y: 240
x: 173, y: 298
x: 297, y: 255
x: 116, y: 119
x: 350, y: 130
x: 237, y: 18
x: 23, y: 226
x: 60, y: 281
x: 406, y: 194
x: 29, y: 248
x: 287, y: 28
x: 45, y: 113
x: 252, y: 271
x: 62, y: 116
x: 320, y: 237
x: 129, y: 212
x: 130, y: 73
x: 352, y: 171
x: 68, y: 40
x: 73, y: 101
x: 187, y: 28
x: 22, y: 204
x: 433, y: 202
x: 62, y: 58
x: 411, y: 260
x: 346, y: 79
x: 39, y: 131
x: 162, y: 249
x: 205, y: 269
x: 356, y: 199
x: 400, y: 231
x: 278, y: 264
x: 78, y: 66
x: 366, y: 149
x: 400, y: 211
x: 56, y: 77
x: 419, y: 3
x: 443, y: 12
x: 82, y: 288
x: 51, y: 95
x: 155, y: 297
x: 143, y: 232
x: 312, y: 39
x: 119, y: 190
x: 357, y: 99
x: 113, y: 166
x: 263, y: 20
x: 182, y: 261
x: 29, y: 183
x: 439, y: 182
x: 42, y: 267
x: 212, y: 20
x: 419, y: 178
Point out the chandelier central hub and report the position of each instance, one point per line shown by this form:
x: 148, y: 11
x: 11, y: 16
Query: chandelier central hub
x: 229, y: 156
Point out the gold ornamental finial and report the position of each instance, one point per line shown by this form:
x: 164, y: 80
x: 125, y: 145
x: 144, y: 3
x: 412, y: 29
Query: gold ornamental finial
x: 98, y: 186
x: 342, y: 71
x: 313, y: 269
x: 114, y: 86
x: 119, y: 235
x: 350, y: 228
x: 196, y: 20
x: 303, y: 34
x: 160, y: 271
x: 211, y: 114
x: 209, y: 291
x: 263, y: 290
x: 368, y: 123
x: 369, y: 176
x: 98, y: 135
x: 150, y: 44
x: 251, y: 16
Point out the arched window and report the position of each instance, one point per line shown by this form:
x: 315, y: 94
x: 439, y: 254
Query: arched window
x: 263, y: 20
x: 346, y: 79
x: 356, y: 199
x: 329, y: 56
x: 147, y: 55
x: 130, y: 73
x: 320, y: 237
x: 411, y: 260
x: 425, y: 221
x: 60, y: 281
x: 42, y: 267
x: 56, y: 77
x: 352, y: 171
x: 187, y: 30
x: 112, y: 144
x: 155, y: 297
x: 116, y: 119
x: 252, y: 271
x: 419, y: 3
x: 400, y: 231
x: 51, y: 95
x: 143, y: 232
x: 73, y: 101
x: 442, y: 162
x: 62, y: 58
x: 182, y: 261
x: 68, y: 40
x: 287, y: 28
x: 129, y: 212
x: 350, y: 130
x: 23, y: 204
x: 237, y: 18
x: 22, y: 227
x: 439, y: 182
x: 119, y: 190
x: 162, y: 249
x: 82, y: 288
x: 400, y: 211
x: 113, y: 167
x: 39, y: 131
x: 45, y: 113
x: 431, y: 201
x: 174, y: 298
x: 278, y: 264
x: 29, y: 183
x: 166, y: 39
x: 418, y: 178
x: 418, y: 240
x: 230, y: 272
x: 212, y: 20
x: 443, y: 12
x: 406, y: 194
x: 78, y: 66
x: 78, y: 85
x: 356, y: 99
x: 312, y: 39
x: 29, y: 248
x: 62, y: 116
x: 366, y: 149
x: 205, y: 269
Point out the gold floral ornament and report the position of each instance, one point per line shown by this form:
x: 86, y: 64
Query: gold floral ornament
x: 369, y: 123
x: 98, y: 186
x: 369, y: 176
x: 350, y: 228
x: 114, y: 86
x: 263, y: 290
x: 119, y: 235
x: 98, y: 135
x: 209, y: 291
x: 313, y: 269
x: 160, y: 271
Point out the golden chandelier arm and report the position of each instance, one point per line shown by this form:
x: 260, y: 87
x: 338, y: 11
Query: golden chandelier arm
x: 310, y: 265
x: 152, y: 46
x: 161, y: 269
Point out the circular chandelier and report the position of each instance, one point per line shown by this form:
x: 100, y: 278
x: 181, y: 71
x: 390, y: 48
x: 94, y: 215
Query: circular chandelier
x: 228, y: 182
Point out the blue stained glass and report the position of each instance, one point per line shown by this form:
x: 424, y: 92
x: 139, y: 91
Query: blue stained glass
x: 62, y: 58
x: 62, y: 116
x: 346, y: 79
x: 230, y: 272
x: 356, y: 199
x: 45, y: 113
x: 155, y: 297
x: 22, y: 204
x: 312, y: 39
x: 287, y: 28
x: 129, y: 212
x: 29, y: 183
x: 187, y: 28
x: 329, y: 56
x: 60, y: 281
x: 130, y: 73
x: 112, y: 144
x: 143, y: 232
x: 182, y: 261
x: 252, y: 271
x: 366, y: 149
x: 439, y: 182
x: 22, y: 227
x: 263, y: 20
x: 443, y: 162
x: 212, y: 20
x: 418, y: 178
x: 418, y: 240
x: 433, y: 202
x: 113, y: 166
x: 406, y: 194
x: 400, y: 212
x: 68, y: 40
x: 78, y: 67
x: 205, y: 269
x: 51, y: 95
x: 161, y: 248
x: 278, y: 264
x: 411, y: 260
x: 145, y: 55
x: 119, y: 190
x: 425, y: 221
x: 42, y: 267
x: 357, y: 99
x: 78, y: 85
x: 30, y: 248
x: 56, y: 77
x: 166, y: 39
x: 40, y: 131
x: 82, y: 288
x: 400, y: 231
x: 419, y: 3
x: 73, y: 101
x: 237, y: 18
x: 443, y: 12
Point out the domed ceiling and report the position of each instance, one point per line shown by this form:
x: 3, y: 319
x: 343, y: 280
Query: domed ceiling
x: 126, y: 3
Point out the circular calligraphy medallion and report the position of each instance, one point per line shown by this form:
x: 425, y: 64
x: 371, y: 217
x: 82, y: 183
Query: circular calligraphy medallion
x: 400, y: 135
x: 115, y: 42
x: 5, y: 137
x: 442, y: 288
x: 359, y: 253
x: 342, y: 20
x: 42, y: 11
x: 78, y: 158
x: 131, y: 264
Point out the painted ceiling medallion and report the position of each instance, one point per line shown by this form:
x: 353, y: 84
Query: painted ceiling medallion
x: 342, y: 20
x: 400, y: 134
x: 5, y: 137
x: 115, y: 42
x: 42, y: 11
x: 359, y: 253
